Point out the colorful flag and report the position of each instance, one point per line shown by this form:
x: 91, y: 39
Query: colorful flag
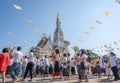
x: 92, y: 28
x: 107, y: 13
x: 29, y: 21
x: 17, y: 7
x: 97, y: 21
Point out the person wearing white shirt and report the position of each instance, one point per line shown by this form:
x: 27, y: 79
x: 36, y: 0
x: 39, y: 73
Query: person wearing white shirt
x: 46, y: 65
x: 30, y: 65
x: 72, y: 63
x: 65, y: 72
x: 41, y: 67
x: 15, y: 69
x: 113, y: 64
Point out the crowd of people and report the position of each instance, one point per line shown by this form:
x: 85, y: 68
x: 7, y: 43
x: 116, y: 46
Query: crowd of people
x: 17, y: 65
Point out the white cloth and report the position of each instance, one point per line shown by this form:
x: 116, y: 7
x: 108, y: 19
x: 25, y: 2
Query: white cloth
x: 46, y: 62
x: 113, y: 60
x: 108, y: 69
x: 31, y: 57
x: 64, y: 60
x: 24, y: 62
x: 38, y: 62
x: 72, y: 63
x: 41, y: 63
x: 18, y: 55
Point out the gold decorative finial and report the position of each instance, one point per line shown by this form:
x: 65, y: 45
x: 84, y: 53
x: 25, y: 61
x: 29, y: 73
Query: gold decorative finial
x: 58, y: 17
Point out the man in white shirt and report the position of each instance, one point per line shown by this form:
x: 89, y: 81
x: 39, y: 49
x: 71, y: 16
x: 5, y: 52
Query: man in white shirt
x: 72, y: 63
x: 113, y: 64
x: 30, y: 65
x: 46, y: 65
x: 15, y: 69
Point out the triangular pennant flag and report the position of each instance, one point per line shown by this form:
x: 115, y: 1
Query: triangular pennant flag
x: 92, y: 28
x: 9, y: 33
x: 17, y: 7
x: 107, y: 13
x: 97, y: 21
x: 29, y: 21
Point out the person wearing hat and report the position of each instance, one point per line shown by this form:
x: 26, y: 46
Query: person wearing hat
x: 4, y: 60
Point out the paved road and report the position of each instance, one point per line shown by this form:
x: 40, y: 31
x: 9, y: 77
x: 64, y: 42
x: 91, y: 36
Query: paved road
x: 92, y: 79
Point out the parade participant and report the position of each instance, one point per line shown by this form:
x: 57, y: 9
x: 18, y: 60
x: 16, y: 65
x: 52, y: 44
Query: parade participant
x: 94, y: 69
x: 99, y: 65
x: 15, y: 69
x: 9, y: 65
x: 83, y: 73
x: 46, y: 65
x: 51, y: 67
x: 77, y: 61
x: 103, y: 68
x: 24, y: 64
x: 37, y: 66
x: 72, y: 64
x: 108, y: 70
x: 41, y: 67
x: 65, y: 72
x: 4, y: 59
x: 57, y: 71
x: 113, y: 64
x: 68, y: 64
x: 30, y: 65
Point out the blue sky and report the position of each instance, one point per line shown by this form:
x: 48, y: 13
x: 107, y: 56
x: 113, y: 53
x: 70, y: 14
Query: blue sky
x: 77, y: 16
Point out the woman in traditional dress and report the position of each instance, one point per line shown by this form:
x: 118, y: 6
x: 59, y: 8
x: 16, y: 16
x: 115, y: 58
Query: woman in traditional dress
x: 83, y: 73
x: 4, y: 60
x: 65, y: 69
x: 108, y: 70
x: 68, y: 64
x: 57, y: 71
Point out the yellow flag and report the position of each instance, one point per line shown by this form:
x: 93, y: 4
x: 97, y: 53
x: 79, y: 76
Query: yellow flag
x: 9, y: 33
x: 29, y: 21
x: 17, y: 7
x: 107, y: 13
x: 92, y: 28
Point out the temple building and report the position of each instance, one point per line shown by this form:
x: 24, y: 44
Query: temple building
x: 46, y: 46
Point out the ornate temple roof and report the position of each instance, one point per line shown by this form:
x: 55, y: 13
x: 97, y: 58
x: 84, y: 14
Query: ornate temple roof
x: 43, y: 42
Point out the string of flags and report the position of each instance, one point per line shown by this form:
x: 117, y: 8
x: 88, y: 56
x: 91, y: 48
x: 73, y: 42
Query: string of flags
x: 85, y: 34
x: 107, y: 13
x: 107, y: 47
x: 17, y: 7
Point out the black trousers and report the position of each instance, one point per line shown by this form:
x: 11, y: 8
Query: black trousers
x: 29, y: 68
x: 115, y: 72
